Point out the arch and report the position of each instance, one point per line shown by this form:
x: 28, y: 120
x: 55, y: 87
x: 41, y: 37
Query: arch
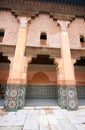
x: 40, y: 78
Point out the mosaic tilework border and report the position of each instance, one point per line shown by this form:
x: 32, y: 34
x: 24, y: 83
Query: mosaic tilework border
x: 67, y: 98
x: 62, y: 97
x: 14, y: 97
x: 72, y: 103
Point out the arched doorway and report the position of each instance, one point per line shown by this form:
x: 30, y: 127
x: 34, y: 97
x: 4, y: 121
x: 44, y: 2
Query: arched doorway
x: 80, y: 79
x: 42, y: 81
x: 4, y: 73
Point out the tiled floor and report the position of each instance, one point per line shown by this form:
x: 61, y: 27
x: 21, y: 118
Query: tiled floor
x: 43, y: 118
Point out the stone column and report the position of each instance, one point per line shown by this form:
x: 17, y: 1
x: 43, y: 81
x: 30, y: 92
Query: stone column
x: 15, y: 93
x: 67, y: 83
x: 16, y: 73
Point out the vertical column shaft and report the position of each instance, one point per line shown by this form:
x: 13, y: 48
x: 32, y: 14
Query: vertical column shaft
x: 16, y: 72
x: 67, y: 90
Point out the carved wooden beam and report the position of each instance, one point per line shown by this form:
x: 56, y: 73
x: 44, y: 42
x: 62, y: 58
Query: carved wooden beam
x: 9, y: 50
x: 36, y: 6
x: 34, y: 51
x: 77, y: 53
x: 57, y: 16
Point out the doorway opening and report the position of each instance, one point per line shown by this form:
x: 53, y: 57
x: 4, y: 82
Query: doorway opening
x: 80, y: 79
x: 4, y: 73
x: 42, y: 82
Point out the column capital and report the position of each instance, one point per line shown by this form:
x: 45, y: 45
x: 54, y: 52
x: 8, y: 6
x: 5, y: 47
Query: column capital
x: 23, y: 21
x: 63, y: 24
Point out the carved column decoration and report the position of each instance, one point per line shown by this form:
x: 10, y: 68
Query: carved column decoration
x: 67, y: 89
x: 65, y: 53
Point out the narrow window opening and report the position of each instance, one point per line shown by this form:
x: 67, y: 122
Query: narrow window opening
x: 82, y: 41
x: 1, y: 35
x: 81, y: 38
x: 43, y: 38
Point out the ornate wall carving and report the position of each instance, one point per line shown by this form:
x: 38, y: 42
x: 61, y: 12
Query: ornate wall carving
x: 76, y: 28
x: 9, y: 23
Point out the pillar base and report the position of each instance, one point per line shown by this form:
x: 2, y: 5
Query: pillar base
x: 67, y: 98
x: 14, y: 97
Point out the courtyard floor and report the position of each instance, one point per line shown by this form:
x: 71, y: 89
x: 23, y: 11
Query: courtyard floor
x: 43, y: 118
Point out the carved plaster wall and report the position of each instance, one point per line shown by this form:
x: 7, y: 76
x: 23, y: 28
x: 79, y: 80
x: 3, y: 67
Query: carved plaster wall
x: 9, y: 23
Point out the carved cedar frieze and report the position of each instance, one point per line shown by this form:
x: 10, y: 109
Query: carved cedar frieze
x: 9, y: 50
x: 28, y: 6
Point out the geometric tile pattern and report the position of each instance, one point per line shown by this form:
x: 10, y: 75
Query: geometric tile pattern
x: 81, y: 92
x: 14, y: 97
x: 67, y: 98
x: 41, y: 92
x: 21, y: 97
x: 62, y: 100
x: 72, y: 103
